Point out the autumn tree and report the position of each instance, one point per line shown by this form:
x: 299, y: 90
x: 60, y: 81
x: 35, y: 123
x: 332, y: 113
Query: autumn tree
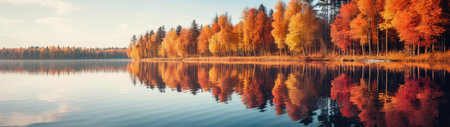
x: 150, y: 45
x: 215, y: 28
x: 263, y: 26
x: 388, y: 14
x: 370, y: 11
x: 138, y: 49
x: 359, y: 31
x: 249, y: 20
x: 227, y: 37
x: 419, y: 23
x: 203, y: 40
x: 157, y: 39
x: 183, y: 44
x: 280, y: 26
x: 302, y: 29
x: 293, y: 7
x: 223, y: 42
x: 238, y: 30
x: 169, y: 44
x: 340, y: 28
x: 431, y: 20
x: 214, y: 45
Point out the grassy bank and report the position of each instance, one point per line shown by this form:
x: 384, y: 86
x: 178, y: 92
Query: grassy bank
x: 397, y: 56
x: 393, y: 56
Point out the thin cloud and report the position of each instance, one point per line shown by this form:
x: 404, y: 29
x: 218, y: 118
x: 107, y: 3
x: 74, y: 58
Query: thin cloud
x: 123, y: 27
x: 6, y: 22
x: 60, y: 24
x: 60, y: 6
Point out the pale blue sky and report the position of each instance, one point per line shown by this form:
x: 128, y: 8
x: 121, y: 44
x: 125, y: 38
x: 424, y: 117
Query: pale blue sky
x: 104, y: 23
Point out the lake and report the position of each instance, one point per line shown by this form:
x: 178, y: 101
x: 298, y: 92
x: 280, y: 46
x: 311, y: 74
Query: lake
x: 131, y: 93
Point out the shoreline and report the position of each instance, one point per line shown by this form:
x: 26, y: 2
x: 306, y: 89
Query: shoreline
x: 430, y: 58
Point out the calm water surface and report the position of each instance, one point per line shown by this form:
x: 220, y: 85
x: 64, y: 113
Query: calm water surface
x: 124, y: 93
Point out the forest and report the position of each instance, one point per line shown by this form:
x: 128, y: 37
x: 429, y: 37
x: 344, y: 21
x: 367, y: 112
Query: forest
x: 56, y: 52
x: 309, y: 28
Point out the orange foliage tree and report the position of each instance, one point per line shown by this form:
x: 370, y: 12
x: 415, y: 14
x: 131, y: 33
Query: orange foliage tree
x: 184, y: 43
x: 340, y: 28
x: 359, y: 31
x: 203, y: 40
x: 280, y: 26
x: 249, y: 19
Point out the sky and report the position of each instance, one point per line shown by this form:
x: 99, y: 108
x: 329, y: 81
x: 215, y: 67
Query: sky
x: 104, y: 23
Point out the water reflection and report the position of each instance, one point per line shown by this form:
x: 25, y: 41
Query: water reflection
x: 23, y: 119
x: 339, y: 94
x: 57, y: 67
x: 315, y: 93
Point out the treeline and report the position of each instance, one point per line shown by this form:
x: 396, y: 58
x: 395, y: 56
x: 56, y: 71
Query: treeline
x: 56, y: 52
x: 304, y: 28
x: 382, y: 24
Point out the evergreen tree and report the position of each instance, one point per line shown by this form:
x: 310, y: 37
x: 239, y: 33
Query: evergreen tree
x: 178, y: 30
x: 133, y: 40
x: 194, y: 32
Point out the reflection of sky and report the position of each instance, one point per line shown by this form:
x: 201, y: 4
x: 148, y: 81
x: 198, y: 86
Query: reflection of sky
x: 43, y: 98
x: 110, y: 99
x: 23, y: 119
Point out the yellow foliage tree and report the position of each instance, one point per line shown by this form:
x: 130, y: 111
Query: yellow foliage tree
x: 227, y: 38
x: 302, y: 30
x: 239, y: 34
x: 169, y: 44
x: 214, y: 45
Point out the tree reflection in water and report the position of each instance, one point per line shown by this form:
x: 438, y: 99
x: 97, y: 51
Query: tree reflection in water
x: 334, y: 94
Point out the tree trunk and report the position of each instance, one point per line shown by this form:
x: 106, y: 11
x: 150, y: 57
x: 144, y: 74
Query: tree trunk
x: 353, y: 47
x: 378, y: 31
x: 387, y: 40
x: 432, y: 48
x: 362, y: 49
x: 370, y: 45
x: 418, y: 49
x: 280, y: 52
x: 369, y: 38
x: 304, y: 51
x: 253, y: 47
x: 445, y: 46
